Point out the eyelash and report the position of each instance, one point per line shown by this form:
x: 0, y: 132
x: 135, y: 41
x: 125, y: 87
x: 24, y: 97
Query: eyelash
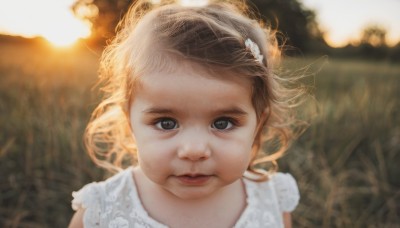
x: 232, y: 123
x: 158, y: 123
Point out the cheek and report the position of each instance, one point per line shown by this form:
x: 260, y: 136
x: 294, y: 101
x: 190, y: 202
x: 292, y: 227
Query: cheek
x: 239, y: 154
x: 153, y: 154
x: 235, y: 153
x: 154, y: 161
x: 151, y: 151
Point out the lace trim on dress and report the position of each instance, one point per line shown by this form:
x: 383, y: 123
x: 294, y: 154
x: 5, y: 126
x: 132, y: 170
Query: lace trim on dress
x: 88, y: 198
x: 287, y: 191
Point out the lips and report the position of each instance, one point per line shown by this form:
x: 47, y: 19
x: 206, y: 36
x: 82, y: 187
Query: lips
x: 194, y: 179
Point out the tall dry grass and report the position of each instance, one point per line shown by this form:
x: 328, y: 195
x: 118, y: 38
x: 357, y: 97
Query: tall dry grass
x: 346, y: 163
x: 45, y: 102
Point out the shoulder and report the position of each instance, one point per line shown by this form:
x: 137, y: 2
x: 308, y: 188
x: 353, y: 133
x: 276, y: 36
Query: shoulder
x: 286, y: 190
x: 91, y: 193
x: 97, y: 198
x: 268, y: 201
x: 280, y: 186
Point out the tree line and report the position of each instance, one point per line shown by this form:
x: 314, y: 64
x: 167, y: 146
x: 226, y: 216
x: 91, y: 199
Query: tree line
x: 298, y: 29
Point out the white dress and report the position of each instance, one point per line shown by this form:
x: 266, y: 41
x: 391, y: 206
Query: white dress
x: 115, y: 203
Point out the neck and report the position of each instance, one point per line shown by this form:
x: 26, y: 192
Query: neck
x: 222, y: 207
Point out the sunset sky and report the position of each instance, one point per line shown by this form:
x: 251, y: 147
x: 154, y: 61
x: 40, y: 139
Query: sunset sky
x: 341, y: 20
x: 51, y: 19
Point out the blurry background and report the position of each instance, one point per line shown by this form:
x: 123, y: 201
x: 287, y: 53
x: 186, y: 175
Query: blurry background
x: 346, y: 163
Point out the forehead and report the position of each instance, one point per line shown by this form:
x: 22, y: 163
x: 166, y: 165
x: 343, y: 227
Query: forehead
x: 185, y: 71
x: 191, y: 86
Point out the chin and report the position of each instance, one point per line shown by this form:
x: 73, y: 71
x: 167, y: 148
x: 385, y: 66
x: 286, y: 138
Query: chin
x: 192, y: 194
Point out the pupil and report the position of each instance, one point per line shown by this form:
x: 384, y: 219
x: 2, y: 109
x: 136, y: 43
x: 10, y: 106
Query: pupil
x: 221, y: 124
x: 168, y: 124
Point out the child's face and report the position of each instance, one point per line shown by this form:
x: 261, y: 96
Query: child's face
x: 194, y: 132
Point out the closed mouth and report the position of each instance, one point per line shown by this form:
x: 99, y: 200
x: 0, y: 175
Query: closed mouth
x: 194, y: 179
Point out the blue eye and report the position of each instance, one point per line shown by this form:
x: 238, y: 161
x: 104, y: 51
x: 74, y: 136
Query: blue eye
x: 167, y: 124
x: 222, y: 124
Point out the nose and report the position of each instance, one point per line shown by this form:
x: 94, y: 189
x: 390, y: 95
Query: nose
x: 195, y: 146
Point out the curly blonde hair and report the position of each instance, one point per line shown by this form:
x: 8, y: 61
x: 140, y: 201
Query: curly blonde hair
x: 213, y: 36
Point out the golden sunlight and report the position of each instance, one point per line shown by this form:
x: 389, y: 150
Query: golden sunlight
x: 52, y: 20
x: 67, y: 32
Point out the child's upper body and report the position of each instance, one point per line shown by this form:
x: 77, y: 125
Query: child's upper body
x: 118, y: 202
x: 193, y: 98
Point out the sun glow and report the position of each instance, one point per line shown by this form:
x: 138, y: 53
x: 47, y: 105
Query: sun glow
x: 52, y: 20
x: 67, y: 32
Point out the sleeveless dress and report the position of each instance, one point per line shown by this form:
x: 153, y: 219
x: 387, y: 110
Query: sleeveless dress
x: 115, y: 203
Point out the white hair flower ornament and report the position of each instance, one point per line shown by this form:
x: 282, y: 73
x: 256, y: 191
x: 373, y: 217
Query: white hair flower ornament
x: 255, y: 50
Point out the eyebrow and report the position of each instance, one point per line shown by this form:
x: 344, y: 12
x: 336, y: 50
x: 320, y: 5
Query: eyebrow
x: 232, y: 111
x: 158, y: 111
x: 229, y: 111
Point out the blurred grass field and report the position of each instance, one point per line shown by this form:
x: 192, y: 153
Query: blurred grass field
x: 347, y: 163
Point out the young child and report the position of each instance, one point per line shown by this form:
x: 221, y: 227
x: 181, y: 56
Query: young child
x: 192, y: 100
